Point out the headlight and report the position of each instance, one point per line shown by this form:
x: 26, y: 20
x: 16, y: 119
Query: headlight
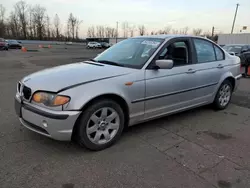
x: 50, y: 99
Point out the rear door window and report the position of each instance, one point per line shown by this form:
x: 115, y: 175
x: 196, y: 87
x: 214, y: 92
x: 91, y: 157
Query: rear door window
x: 204, y: 50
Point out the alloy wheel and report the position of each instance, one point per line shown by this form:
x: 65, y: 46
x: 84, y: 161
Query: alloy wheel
x: 224, y: 95
x: 103, y: 125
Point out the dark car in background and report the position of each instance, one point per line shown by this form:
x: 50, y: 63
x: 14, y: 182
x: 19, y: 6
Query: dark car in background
x: 105, y: 44
x: 237, y: 49
x: 3, y: 44
x: 14, y: 44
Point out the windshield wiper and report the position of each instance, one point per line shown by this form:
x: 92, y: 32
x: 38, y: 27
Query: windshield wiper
x: 92, y: 60
x: 110, y: 63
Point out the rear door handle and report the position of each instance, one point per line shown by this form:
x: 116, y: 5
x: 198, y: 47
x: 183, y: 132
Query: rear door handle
x: 220, y: 66
x: 191, y: 71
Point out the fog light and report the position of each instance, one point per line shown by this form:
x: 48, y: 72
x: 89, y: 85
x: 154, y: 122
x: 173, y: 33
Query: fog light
x: 45, y: 124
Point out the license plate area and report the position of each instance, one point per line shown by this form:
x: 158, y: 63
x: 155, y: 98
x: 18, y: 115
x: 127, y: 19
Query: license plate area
x: 18, y: 108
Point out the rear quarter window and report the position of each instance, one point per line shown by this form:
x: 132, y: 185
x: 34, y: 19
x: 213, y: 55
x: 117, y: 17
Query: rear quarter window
x: 219, y: 53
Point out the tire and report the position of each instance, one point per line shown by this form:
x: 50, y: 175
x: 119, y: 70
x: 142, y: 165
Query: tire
x: 101, y: 135
x: 223, y: 95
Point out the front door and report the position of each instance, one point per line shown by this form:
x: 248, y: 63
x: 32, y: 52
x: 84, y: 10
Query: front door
x: 168, y: 90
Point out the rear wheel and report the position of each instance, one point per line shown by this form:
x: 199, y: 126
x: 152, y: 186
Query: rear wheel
x: 223, y: 96
x: 100, y: 125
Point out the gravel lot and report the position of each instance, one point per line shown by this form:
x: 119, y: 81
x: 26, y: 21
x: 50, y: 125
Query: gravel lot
x: 200, y: 148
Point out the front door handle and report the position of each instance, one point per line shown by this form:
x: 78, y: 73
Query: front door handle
x: 191, y: 71
x: 220, y: 66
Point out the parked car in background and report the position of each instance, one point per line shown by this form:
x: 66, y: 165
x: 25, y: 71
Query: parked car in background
x: 94, y: 45
x: 236, y: 49
x: 134, y: 81
x: 3, y: 44
x: 105, y: 44
x: 14, y: 44
x: 69, y: 43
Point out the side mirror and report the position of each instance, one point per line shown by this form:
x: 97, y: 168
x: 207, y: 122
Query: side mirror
x: 231, y: 53
x: 164, y: 63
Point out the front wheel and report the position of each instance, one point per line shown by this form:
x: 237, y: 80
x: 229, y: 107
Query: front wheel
x: 100, y: 125
x: 223, y: 96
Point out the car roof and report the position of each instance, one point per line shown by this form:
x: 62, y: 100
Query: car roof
x: 236, y: 44
x: 167, y: 36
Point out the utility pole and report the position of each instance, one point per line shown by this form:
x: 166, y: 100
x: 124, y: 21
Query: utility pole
x: 236, y: 11
x: 116, y: 31
x: 212, y: 31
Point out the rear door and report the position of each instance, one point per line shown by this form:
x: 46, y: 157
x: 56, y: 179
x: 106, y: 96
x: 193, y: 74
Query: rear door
x: 210, y: 65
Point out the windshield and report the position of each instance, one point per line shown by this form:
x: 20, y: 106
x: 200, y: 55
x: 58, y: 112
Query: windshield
x: 233, y: 48
x: 131, y: 53
x: 13, y: 41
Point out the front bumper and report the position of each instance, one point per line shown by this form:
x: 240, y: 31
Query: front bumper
x: 54, y: 124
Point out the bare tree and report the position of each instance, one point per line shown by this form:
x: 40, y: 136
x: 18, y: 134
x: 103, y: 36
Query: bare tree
x: 184, y: 31
x: 57, y: 25
x: 31, y: 25
x: 125, y: 29
x: 78, y: 23
x: 197, y: 31
x: 2, y: 12
x: 21, y: 9
x: 39, y: 19
x: 100, y: 31
x: 108, y: 32
x: 167, y: 29
x: 113, y: 33
x: 2, y: 25
x: 206, y: 33
x: 142, y: 30
x: 48, y: 26
x: 131, y: 29
x: 91, y: 32
x: 13, y: 25
x: 175, y: 31
x: 72, y: 21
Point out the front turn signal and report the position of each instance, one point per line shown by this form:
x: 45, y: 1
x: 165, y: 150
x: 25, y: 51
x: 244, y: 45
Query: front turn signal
x: 60, y: 100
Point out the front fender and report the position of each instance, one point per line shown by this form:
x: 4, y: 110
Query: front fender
x: 82, y: 94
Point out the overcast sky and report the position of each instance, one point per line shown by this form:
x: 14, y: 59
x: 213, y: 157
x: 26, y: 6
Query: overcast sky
x: 154, y: 14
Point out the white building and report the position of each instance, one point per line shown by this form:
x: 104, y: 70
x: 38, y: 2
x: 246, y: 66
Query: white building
x: 241, y: 38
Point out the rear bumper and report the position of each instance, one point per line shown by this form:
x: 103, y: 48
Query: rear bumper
x: 237, y: 81
x: 54, y: 124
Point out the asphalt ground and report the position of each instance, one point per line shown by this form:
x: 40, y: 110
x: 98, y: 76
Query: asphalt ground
x: 200, y: 148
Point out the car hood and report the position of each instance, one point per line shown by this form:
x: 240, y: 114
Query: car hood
x: 72, y: 75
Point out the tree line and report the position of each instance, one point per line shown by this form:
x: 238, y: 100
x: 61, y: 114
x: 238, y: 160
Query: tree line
x: 130, y: 30
x: 32, y: 22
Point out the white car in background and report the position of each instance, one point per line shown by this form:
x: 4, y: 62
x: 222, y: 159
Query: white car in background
x: 69, y: 43
x: 94, y: 45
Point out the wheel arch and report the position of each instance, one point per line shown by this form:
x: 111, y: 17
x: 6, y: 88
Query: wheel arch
x: 231, y: 79
x: 117, y: 98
